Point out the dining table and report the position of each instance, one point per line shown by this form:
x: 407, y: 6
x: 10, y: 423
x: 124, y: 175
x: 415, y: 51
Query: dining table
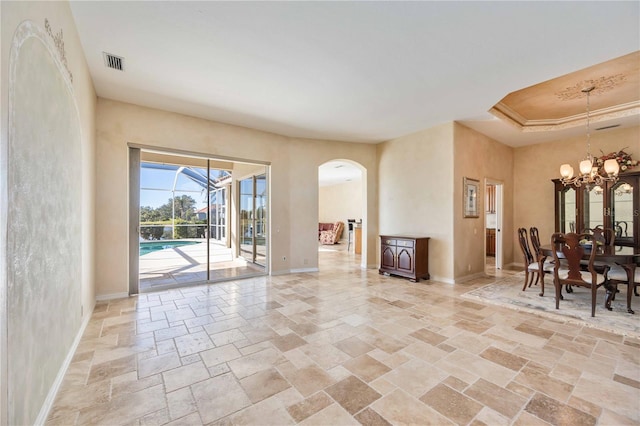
x: 625, y: 256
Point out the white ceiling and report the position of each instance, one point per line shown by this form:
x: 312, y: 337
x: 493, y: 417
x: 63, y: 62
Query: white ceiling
x: 351, y: 71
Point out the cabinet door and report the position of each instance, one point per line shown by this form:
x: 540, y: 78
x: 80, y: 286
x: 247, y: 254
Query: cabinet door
x: 405, y: 260
x: 566, y: 209
x: 624, y: 209
x: 491, y: 242
x: 592, y: 208
x: 388, y: 260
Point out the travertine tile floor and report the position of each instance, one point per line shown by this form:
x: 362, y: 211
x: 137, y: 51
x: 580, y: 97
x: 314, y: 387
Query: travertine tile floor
x: 339, y: 347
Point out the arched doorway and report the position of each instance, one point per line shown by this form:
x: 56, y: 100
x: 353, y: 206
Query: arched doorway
x: 342, y: 197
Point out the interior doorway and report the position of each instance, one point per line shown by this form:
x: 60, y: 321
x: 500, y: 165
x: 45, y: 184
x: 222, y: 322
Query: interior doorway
x: 493, y: 191
x: 342, y: 197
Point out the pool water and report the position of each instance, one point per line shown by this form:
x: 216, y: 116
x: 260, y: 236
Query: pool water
x: 147, y: 247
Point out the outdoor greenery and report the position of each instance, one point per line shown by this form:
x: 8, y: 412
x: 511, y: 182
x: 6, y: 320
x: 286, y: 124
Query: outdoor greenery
x: 156, y: 223
x: 184, y: 209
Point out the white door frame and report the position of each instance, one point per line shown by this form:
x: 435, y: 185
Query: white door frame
x: 499, y: 219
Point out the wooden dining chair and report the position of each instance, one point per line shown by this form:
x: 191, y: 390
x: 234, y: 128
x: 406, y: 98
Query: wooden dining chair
x: 618, y: 275
x: 569, y: 248
x: 599, y: 236
x: 531, y: 264
x: 547, y: 266
x: 605, y: 236
x: 622, y: 228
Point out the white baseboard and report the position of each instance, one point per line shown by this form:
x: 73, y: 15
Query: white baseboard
x: 103, y: 297
x: 55, y: 387
x: 303, y: 270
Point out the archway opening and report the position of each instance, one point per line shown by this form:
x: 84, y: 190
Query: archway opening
x: 342, y: 201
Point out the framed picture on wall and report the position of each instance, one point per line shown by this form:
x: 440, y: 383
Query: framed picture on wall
x: 470, y: 197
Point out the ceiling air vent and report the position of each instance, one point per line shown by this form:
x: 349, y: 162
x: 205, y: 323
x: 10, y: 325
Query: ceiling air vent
x: 113, y: 61
x: 608, y: 127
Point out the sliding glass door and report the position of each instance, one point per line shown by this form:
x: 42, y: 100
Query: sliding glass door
x: 253, y: 219
x: 181, y: 213
x: 218, y: 214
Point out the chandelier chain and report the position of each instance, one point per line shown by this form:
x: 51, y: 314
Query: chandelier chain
x: 590, y: 174
x: 588, y: 91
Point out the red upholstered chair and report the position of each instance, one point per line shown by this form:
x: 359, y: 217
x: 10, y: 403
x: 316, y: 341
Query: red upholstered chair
x: 332, y: 236
x: 324, y: 227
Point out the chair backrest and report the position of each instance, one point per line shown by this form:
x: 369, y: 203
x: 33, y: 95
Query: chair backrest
x: 604, y: 236
x: 618, y: 230
x: 535, y: 241
x: 337, y: 230
x: 568, y: 247
x: 524, y: 246
x: 622, y: 226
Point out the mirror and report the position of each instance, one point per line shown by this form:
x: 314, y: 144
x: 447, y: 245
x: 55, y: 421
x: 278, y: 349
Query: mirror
x: 622, y: 210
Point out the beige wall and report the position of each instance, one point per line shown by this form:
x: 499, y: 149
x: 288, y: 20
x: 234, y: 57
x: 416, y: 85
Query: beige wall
x: 416, y: 183
x: 52, y: 133
x: 293, y: 172
x: 481, y: 158
x: 340, y: 202
x: 536, y: 165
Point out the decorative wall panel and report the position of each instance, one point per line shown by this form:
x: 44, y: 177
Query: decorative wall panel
x: 44, y: 214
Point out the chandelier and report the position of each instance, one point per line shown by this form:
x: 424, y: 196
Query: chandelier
x: 589, y: 173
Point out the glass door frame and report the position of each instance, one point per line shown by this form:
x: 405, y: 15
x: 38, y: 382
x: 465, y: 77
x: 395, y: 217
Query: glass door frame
x: 258, y: 223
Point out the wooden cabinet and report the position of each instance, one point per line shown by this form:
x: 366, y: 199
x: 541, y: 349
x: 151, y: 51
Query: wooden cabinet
x: 404, y: 256
x: 358, y: 239
x: 612, y: 205
x: 491, y: 242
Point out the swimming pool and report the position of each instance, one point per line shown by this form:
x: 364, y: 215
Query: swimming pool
x: 147, y: 247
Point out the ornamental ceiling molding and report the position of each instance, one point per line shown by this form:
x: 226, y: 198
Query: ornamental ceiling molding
x: 601, y: 85
x: 58, y: 41
x: 557, y: 104
x: 510, y: 116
